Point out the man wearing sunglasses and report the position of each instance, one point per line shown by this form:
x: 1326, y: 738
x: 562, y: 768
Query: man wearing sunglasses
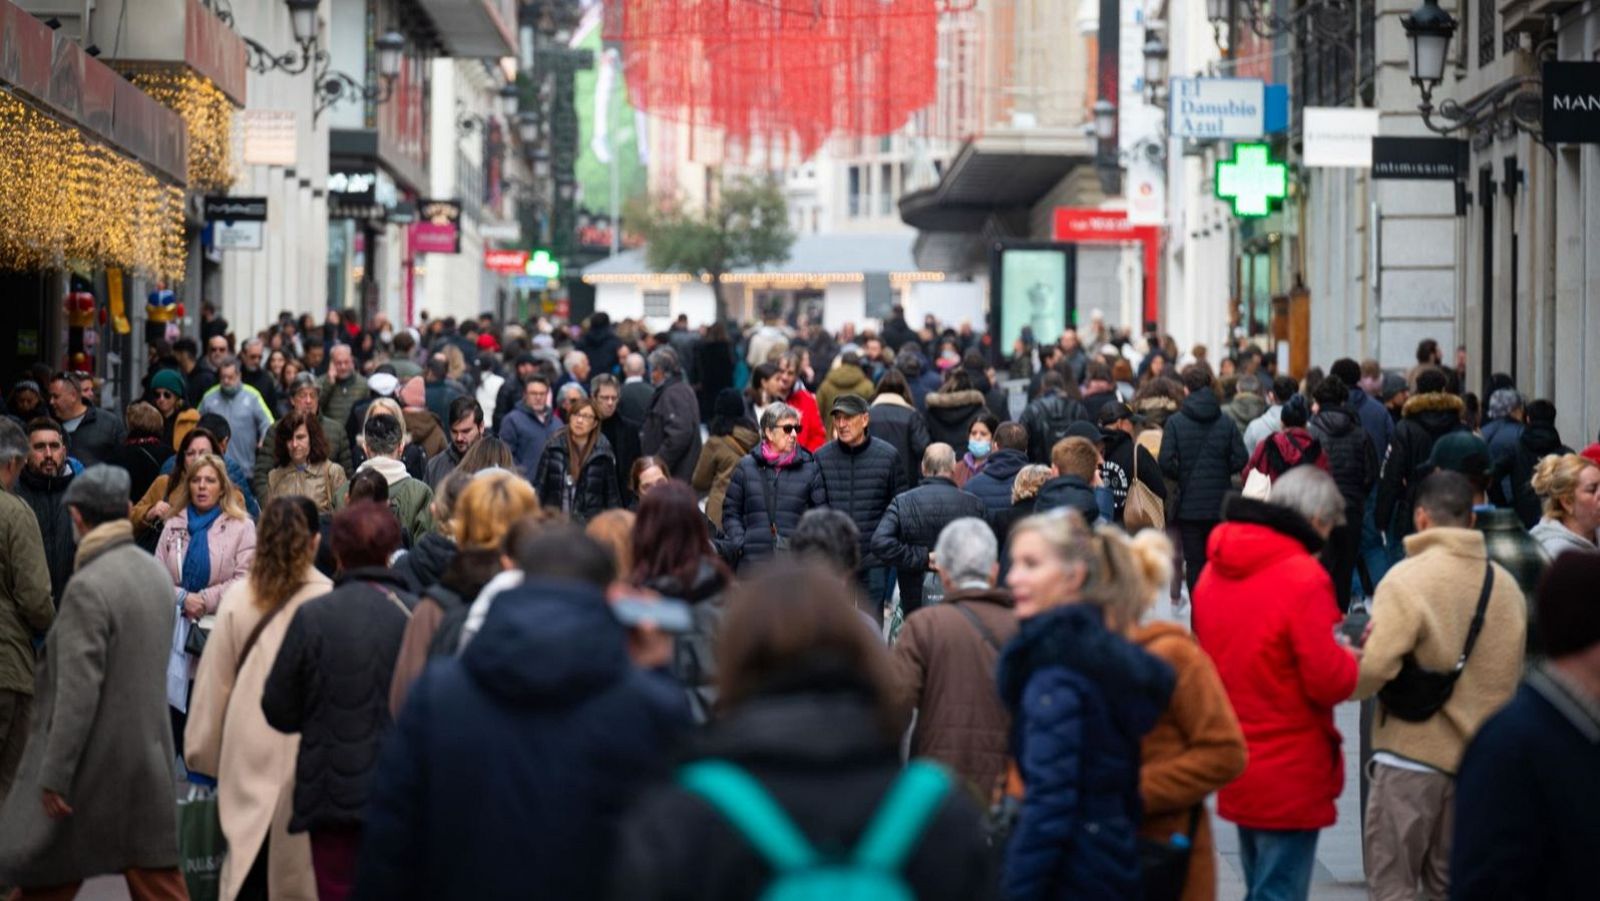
x: 862, y: 474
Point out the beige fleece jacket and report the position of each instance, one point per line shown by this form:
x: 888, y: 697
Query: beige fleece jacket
x: 1424, y: 606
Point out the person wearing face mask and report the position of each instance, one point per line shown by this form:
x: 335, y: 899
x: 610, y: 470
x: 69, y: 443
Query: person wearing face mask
x: 206, y: 546
x: 248, y: 414
x: 577, y: 474
x: 980, y: 447
x: 1081, y: 698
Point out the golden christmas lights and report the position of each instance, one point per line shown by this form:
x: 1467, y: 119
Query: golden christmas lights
x: 68, y: 200
x: 206, y: 111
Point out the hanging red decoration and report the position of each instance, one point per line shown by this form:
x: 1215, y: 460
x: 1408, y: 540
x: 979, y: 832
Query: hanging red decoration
x: 783, y: 75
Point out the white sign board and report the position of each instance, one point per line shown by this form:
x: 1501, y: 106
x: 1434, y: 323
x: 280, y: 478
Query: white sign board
x: 1337, y: 137
x: 236, y: 235
x: 270, y: 137
x: 1139, y: 126
x: 1210, y: 108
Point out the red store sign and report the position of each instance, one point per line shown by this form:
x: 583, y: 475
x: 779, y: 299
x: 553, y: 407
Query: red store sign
x: 506, y: 262
x: 1073, y: 225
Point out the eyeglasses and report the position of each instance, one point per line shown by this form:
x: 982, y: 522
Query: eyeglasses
x: 164, y: 395
x: 791, y: 428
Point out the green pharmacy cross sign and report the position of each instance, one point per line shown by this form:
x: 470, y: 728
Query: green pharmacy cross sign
x: 541, y: 265
x: 1251, y: 180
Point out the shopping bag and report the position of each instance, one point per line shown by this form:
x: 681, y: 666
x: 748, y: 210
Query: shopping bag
x: 201, y: 846
x: 1257, y: 485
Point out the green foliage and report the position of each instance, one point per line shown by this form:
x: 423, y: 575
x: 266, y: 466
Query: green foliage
x: 746, y: 225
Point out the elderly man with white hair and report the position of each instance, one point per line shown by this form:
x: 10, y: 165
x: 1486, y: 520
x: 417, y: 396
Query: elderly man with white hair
x: 946, y: 654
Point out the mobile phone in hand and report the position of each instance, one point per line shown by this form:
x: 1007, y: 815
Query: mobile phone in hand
x: 1354, y: 626
x: 665, y: 614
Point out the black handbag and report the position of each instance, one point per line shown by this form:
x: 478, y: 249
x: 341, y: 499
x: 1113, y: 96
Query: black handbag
x: 1417, y: 693
x: 1164, y: 866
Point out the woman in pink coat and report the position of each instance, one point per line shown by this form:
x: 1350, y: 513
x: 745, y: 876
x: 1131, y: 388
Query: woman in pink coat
x: 206, y: 547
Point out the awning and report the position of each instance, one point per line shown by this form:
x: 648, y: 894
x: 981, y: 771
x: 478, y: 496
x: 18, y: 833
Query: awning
x: 474, y: 29
x: 999, y: 172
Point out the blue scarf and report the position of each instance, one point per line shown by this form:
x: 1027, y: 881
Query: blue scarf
x: 197, y: 560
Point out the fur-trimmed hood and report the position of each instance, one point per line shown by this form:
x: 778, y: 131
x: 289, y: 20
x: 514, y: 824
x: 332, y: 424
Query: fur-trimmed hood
x: 1433, y: 402
x: 955, y: 399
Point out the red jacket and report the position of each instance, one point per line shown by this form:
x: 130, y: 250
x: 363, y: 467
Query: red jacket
x: 812, y: 435
x: 1264, y: 611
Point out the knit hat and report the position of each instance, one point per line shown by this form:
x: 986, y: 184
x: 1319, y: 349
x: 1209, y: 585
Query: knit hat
x: 383, y: 384
x: 1461, y: 452
x: 100, y: 491
x: 1592, y: 452
x: 1502, y: 402
x: 729, y: 403
x: 1082, y: 429
x: 1393, y: 384
x: 167, y: 380
x: 414, y: 394
x: 1569, y: 620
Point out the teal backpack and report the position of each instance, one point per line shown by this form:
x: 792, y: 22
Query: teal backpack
x: 872, y: 871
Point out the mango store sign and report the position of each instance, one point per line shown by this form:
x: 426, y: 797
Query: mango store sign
x: 1210, y: 108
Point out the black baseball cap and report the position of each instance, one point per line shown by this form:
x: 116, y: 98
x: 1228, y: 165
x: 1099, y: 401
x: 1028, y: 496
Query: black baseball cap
x: 849, y: 405
x: 1116, y: 411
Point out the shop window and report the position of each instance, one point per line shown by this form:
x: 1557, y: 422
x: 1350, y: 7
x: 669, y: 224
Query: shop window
x: 658, y: 305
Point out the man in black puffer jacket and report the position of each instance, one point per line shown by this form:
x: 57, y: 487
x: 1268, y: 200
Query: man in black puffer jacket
x: 1203, y: 451
x: 862, y: 475
x: 1048, y: 418
x: 993, y: 485
x: 914, y: 520
x: 1354, y: 466
x: 1429, y: 415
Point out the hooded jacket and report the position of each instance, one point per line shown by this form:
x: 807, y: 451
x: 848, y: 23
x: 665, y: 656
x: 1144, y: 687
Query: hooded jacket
x: 1377, y: 422
x: 1046, y: 421
x: 861, y: 481
x: 823, y: 757
x: 1556, y: 539
x: 1244, y: 409
x: 596, y: 489
x: 1202, y: 450
x: 950, y: 416
x: 330, y: 683
x: 1264, y: 610
x: 546, y: 726
x: 672, y: 428
x: 897, y: 422
x: 1351, y: 460
x: 844, y: 379
x: 718, y: 459
x: 1286, y: 449
x: 747, y: 522
x: 1538, y: 440
x: 993, y: 485
x: 1070, y: 492
x: 1424, y: 419
x: 424, y: 564
x: 1081, y: 700
x: 426, y: 432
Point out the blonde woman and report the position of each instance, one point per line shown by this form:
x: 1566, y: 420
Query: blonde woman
x: 483, y: 514
x: 1569, y: 486
x: 1196, y: 746
x: 207, y: 546
x: 1081, y: 697
x: 253, y: 763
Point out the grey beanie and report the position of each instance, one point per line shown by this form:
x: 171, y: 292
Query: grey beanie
x: 99, y: 491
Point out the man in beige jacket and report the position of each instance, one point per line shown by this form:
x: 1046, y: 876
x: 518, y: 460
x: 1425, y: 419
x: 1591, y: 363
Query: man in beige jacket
x: 1424, y: 608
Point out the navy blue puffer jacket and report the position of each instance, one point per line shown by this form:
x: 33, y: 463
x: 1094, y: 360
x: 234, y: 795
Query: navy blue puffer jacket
x: 747, y: 524
x: 993, y: 485
x: 1202, y: 449
x: 1081, y: 699
x: 861, y: 481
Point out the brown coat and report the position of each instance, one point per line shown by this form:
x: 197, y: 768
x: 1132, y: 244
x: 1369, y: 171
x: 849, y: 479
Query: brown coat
x: 254, y: 763
x: 946, y: 670
x: 717, y: 462
x: 318, y: 481
x: 1195, y: 748
x: 425, y: 430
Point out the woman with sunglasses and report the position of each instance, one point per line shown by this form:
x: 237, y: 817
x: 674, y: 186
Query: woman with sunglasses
x: 771, y: 489
x: 166, y: 395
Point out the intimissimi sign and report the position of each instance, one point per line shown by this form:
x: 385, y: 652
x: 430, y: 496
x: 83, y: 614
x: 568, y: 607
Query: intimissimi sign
x: 1572, y: 103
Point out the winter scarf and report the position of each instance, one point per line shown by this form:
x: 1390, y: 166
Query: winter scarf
x: 197, y: 559
x: 775, y: 459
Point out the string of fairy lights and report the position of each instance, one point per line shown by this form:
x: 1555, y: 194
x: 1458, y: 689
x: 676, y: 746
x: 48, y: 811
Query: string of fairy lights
x: 206, y: 111
x: 71, y: 202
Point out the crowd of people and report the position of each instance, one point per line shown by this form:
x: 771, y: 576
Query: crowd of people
x: 485, y: 608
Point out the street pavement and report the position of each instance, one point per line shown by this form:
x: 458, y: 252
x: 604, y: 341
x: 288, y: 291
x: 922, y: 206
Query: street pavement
x: 1338, y: 876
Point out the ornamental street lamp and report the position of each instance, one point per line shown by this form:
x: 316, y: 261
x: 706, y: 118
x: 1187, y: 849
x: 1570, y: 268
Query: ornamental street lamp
x: 1155, y: 68
x: 528, y: 128
x: 303, y: 21
x: 1217, y: 15
x: 390, y: 47
x: 510, y: 99
x: 1513, y: 104
x: 1429, y: 30
x: 1105, y: 119
x: 335, y: 87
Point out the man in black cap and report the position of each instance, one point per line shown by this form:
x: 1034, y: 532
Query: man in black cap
x: 862, y: 475
x: 1122, y: 457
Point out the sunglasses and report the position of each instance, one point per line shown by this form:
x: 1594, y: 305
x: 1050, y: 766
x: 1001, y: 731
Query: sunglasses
x: 790, y: 428
x: 161, y: 395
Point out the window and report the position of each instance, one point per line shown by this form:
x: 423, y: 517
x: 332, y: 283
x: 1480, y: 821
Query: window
x: 855, y: 192
x: 886, y: 189
x: 658, y: 305
x: 1486, y: 20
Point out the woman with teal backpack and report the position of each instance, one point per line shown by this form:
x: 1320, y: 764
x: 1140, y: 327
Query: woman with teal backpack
x: 796, y: 790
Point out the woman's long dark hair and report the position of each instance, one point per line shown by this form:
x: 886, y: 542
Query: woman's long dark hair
x: 894, y: 382
x: 180, y: 464
x: 284, y: 433
x: 670, y: 538
x: 758, y: 377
